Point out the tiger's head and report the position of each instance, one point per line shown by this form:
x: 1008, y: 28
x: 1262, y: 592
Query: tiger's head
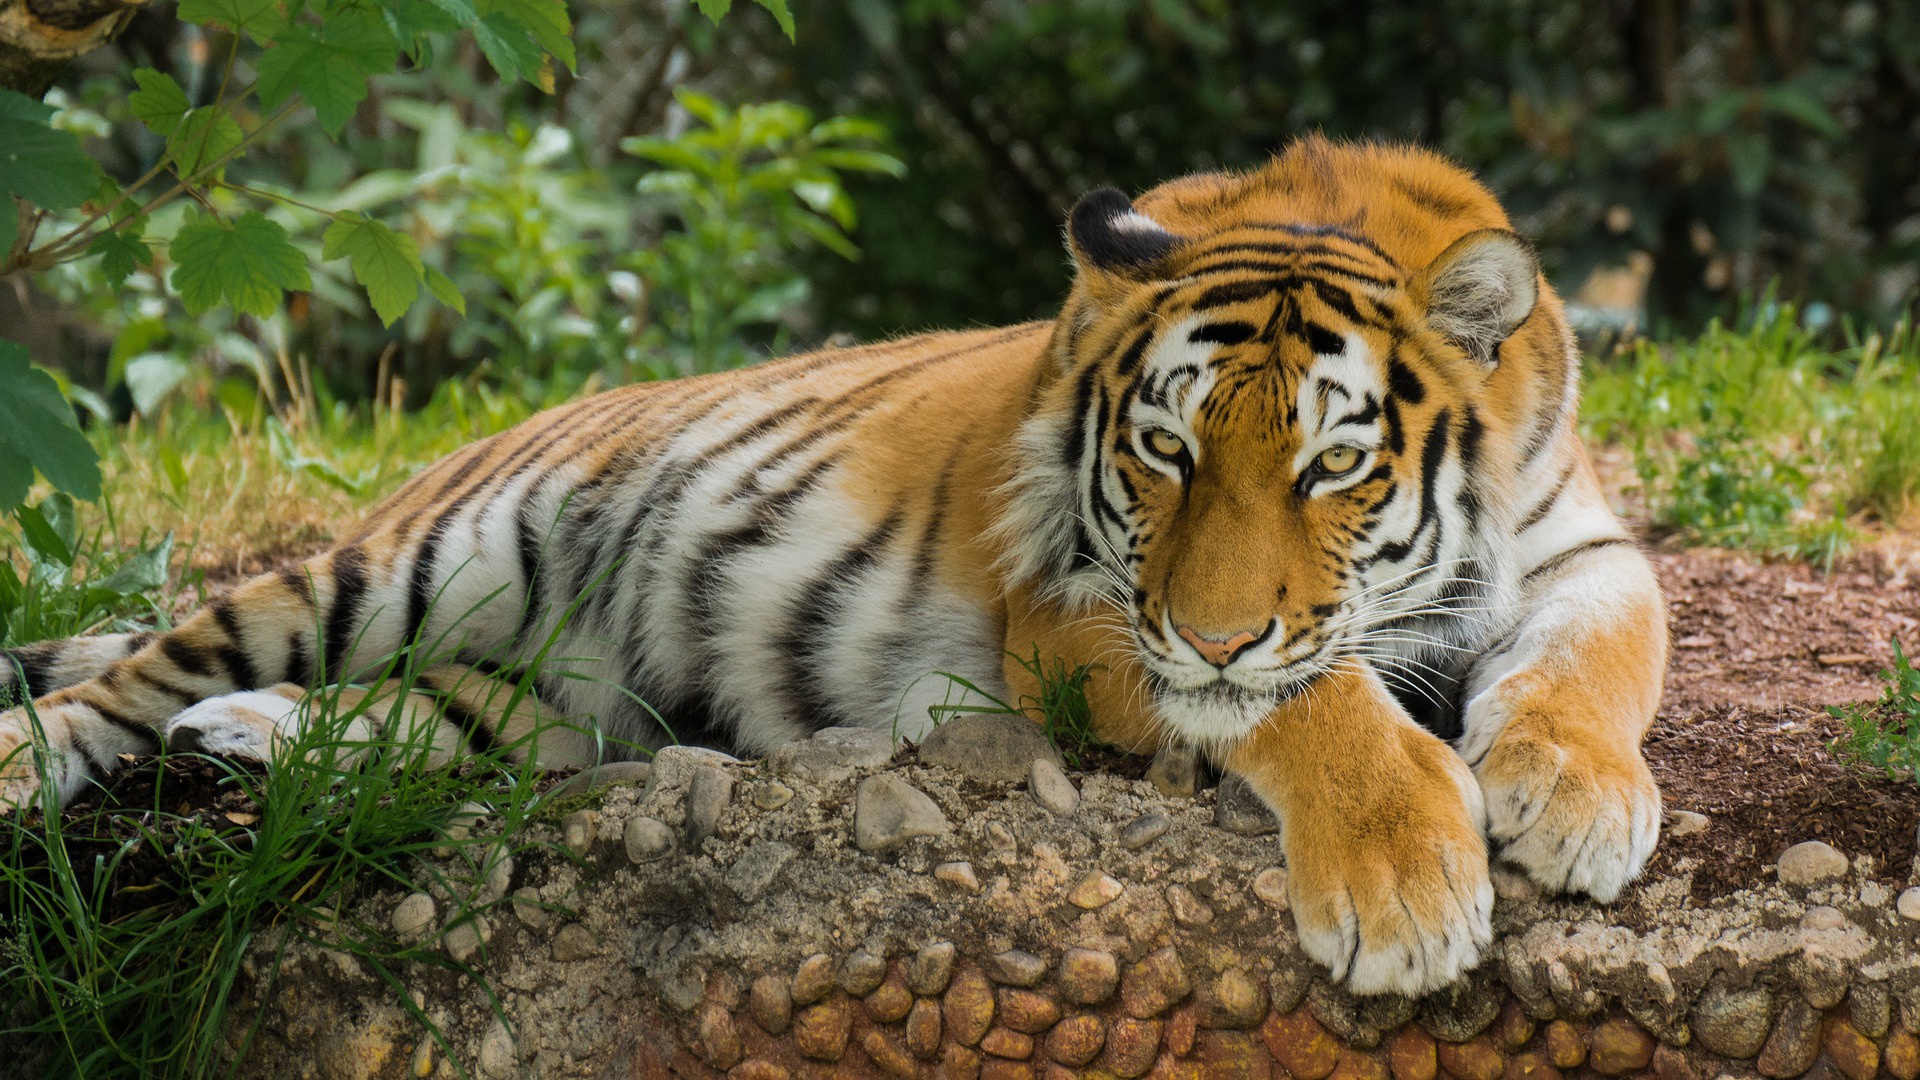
x: 1281, y: 413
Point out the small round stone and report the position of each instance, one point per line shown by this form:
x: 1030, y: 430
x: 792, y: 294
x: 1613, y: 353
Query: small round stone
x: 413, y: 915
x: 1175, y: 770
x: 577, y: 831
x: 812, y: 979
x: 1088, y: 976
x: 1811, y: 863
x: 1144, y: 830
x: 574, y: 942
x: 888, y: 812
x: 889, y: 1002
x: 1823, y: 917
x: 862, y: 973
x: 1075, y: 1040
x: 1235, y: 1000
x: 960, y: 875
x: 646, y: 839
x: 1270, y: 886
x: 770, y: 1005
x: 462, y: 941
x: 1686, y: 823
x: 1007, y: 1043
x: 967, y: 1007
x: 1095, y: 891
x: 1016, y: 967
x: 1051, y: 788
x: 1025, y: 1011
x: 528, y: 908
x: 707, y: 798
x: 1619, y: 1047
x: 821, y: 1031
x: 923, y: 1029
x: 1188, y: 909
x: 772, y: 795
x: 1153, y: 985
x: 1733, y: 1023
x: 1909, y: 904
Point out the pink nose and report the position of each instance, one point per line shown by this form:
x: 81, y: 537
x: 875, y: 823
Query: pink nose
x: 1215, y: 652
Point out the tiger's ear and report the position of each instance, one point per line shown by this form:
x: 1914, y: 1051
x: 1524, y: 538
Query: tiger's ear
x: 1479, y: 290
x: 1108, y: 236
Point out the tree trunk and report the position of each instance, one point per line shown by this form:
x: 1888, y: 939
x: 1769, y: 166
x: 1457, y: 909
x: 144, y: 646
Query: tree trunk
x: 39, y: 37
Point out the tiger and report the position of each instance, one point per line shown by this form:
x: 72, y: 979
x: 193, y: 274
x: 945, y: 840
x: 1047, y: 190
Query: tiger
x: 1294, y: 474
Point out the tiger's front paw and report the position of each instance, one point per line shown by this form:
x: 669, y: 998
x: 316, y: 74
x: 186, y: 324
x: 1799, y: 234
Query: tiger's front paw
x: 1577, y: 812
x: 19, y: 768
x: 1392, y: 893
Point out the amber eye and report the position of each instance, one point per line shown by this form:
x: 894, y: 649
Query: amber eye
x: 1164, y: 443
x: 1338, y: 460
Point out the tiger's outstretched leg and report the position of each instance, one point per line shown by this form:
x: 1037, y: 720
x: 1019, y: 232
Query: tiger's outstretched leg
x: 28, y: 671
x: 1555, y: 712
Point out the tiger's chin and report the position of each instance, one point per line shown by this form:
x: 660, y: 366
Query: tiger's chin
x: 1216, y: 714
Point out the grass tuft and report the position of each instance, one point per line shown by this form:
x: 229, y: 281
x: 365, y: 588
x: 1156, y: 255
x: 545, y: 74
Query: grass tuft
x: 1061, y: 707
x: 1885, y: 735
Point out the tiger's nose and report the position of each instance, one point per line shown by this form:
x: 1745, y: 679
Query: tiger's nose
x: 1216, y: 651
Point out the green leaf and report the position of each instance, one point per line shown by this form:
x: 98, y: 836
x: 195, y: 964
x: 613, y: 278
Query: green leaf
x: 144, y: 571
x: 259, y: 19
x: 545, y: 21
x: 40, y: 164
x: 46, y: 543
x: 16, y: 477
x: 714, y: 10
x: 330, y: 68
x: 511, y: 50
x: 446, y: 291
x: 159, y: 103
x: 249, y: 264
x: 780, y: 15
x: 37, y: 425
x: 385, y: 261
x: 847, y: 159
x: 121, y: 253
x: 152, y: 377
x: 205, y: 135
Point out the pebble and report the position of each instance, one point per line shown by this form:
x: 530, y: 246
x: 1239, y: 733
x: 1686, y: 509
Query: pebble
x: 772, y: 795
x: 1823, y: 917
x: 1095, y: 891
x: 1015, y: 967
x: 755, y: 871
x: 646, y: 839
x: 1051, y: 788
x: 497, y: 1056
x: 462, y: 941
x: 600, y: 777
x: 460, y: 825
x: 888, y: 812
x: 990, y: 747
x: 413, y: 915
x: 862, y: 973
x: 574, y: 942
x: 528, y: 909
x: 1811, y: 863
x: 1088, y: 976
x: 1909, y: 904
x: 499, y: 878
x: 1686, y: 823
x: 1733, y: 1023
x: 957, y: 874
x: 1238, y: 810
x: 1155, y: 983
x: 707, y: 798
x: 1513, y: 886
x: 769, y: 1004
x: 831, y: 755
x: 1001, y: 837
x: 1175, y: 771
x: 577, y: 831
x: 1188, y: 908
x: 1270, y: 886
x: 930, y: 969
x: 1144, y: 830
x: 813, y: 979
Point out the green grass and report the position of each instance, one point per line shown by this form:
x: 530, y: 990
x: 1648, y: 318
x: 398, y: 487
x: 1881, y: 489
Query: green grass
x: 66, y: 582
x: 1763, y: 438
x: 1061, y: 707
x: 1885, y: 736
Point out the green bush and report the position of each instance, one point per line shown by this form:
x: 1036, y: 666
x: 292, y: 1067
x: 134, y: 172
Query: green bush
x: 1885, y: 736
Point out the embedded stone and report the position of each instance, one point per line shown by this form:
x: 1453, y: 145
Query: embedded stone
x: 1301, y: 1046
x: 1811, y: 863
x: 1175, y: 771
x: 1530, y: 1065
x: 930, y: 968
x: 498, y: 1054
x: 888, y: 812
x: 830, y: 755
x: 1076, y: 1040
x: 1823, y: 917
x: 577, y: 831
x: 1871, y: 1008
x: 771, y: 795
x: 758, y: 1069
x: 719, y: 1041
x: 574, y: 942
x: 1354, y: 1065
x: 1188, y: 909
x: 1513, y: 886
x: 1686, y: 823
x: 1412, y: 1055
x: 1016, y: 968
x: 967, y: 1008
x: 1088, y: 976
x: 707, y: 798
x: 1733, y: 1023
x: 1027, y: 1012
x: 1001, y: 1069
x: 923, y: 1029
x: 991, y: 747
x: 821, y: 1031
x: 813, y: 979
x: 1095, y: 891
x: 465, y: 939
x: 1153, y: 984
x: 770, y: 1005
x: 646, y: 839
x: 889, y: 1001
x: 414, y: 915
x: 1909, y: 903
x: 1131, y: 1047
x: 862, y: 973
x: 1513, y: 1027
x: 887, y: 1054
x: 529, y: 909
x: 595, y: 778
x: 1791, y: 1048
x: 1237, y: 809
x: 960, y: 875
x: 1850, y: 1051
x: 1459, y: 1011
x: 1229, y: 1055
x: 958, y: 1063
x: 1287, y: 987
x: 755, y: 871
x: 1152, y: 825
x: 1008, y: 1043
x: 1235, y: 1000
x: 1475, y: 1059
x: 1902, y: 1055
x: 1051, y: 788
x: 1270, y: 887
x: 1177, y: 1036
x: 1617, y: 1047
x: 1565, y: 1048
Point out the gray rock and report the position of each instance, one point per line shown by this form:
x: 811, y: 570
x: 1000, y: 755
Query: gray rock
x: 646, y: 839
x: 832, y: 754
x: 1871, y: 1008
x: 1051, y: 788
x: 574, y: 942
x: 1795, y: 1041
x: 1686, y: 823
x: 1811, y: 863
x: 1015, y: 967
x: 675, y: 765
x: 465, y: 939
x: 413, y: 915
x: 707, y: 798
x: 577, y: 832
x: 498, y: 1056
x: 1144, y: 830
x: 1238, y: 810
x: 600, y: 777
x: 1733, y: 1023
x: 888, y: 812
x: 991, y: 747
x: 755, y: 871
x: 861, y: 973
x: 1175, y: 771
x: 527, y: 907
x: 930, y: 969
x: 1909, y: 904
x: 772, y: 795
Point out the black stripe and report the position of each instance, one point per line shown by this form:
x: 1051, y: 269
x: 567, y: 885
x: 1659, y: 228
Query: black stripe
x: 1403, y: 382
x: 233, y: 655
x: 185, y: 657
x: 349, y: 566
x: 296, y: 580
x: 119, y: 720
x: 36, y: 666
x: 813, y: 614
x: 184, y: 697
x: 1225, y: 332
x: 1545, y: 506
x: 1574, y: 552
x: 299, y: 667
x: 420, y: 588
x: 477, y: 733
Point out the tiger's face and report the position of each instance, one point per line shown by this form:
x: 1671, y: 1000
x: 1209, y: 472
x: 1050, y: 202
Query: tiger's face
x: 1276, y: 447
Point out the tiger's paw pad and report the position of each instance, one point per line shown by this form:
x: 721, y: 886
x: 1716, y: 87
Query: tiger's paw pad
x: 244, y: 725
x: 1576, y: 820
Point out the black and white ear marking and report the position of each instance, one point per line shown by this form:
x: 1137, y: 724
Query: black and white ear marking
x: 1481, y: 289
x: 1108, y: 234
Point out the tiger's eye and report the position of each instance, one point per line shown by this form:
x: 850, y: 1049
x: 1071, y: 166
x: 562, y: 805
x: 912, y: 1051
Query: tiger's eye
x: 1338, y: 460
x: 1164, y: 443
